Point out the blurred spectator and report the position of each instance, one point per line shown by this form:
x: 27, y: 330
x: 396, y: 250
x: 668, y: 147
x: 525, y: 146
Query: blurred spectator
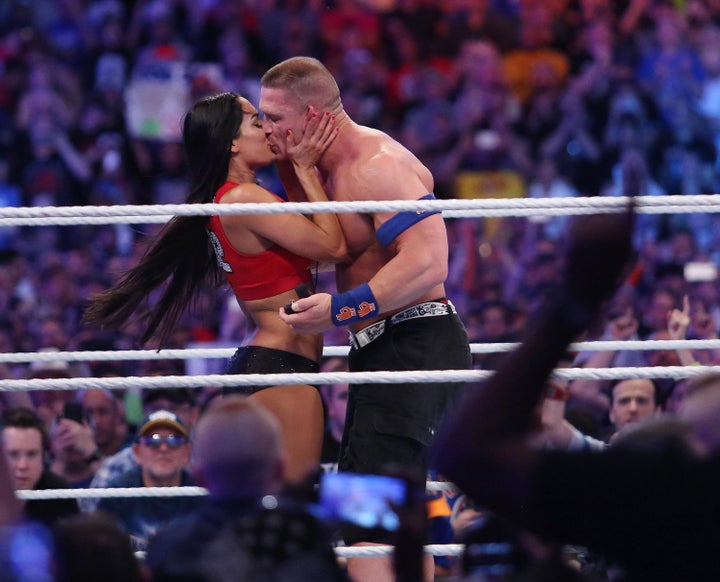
x: 534, y: 64
x: 632, y: 401
x: 243, y: 531
x: 568, y: 144
x: 178, y: 401
x: 106, y: 416
x: 156, y: 33
x: 237, y: 68
x: 93, y: 547
x: 49, y: 404
x: 592, y: 396
x: 547, y: 182
x: 347, y: 25
x: 282, y: 20
x: 75, y: 454
x: 26, y: 449
x: 495, y: 319
x: 467, y: 19
x: 361, y: 77
x: 162, y: 450
x: 412, y: 75
x: 670, y: 70
x: 335, y: 397
x: 655, y: 312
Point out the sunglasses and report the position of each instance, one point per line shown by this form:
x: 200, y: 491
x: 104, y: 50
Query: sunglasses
x: 155, y: 441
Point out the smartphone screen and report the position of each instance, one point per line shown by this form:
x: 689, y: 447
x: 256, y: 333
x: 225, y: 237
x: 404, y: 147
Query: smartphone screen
x: 362, y: 500
x: 73, y: 411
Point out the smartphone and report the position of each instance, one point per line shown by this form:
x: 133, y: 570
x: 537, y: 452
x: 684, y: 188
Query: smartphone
x: 74, y: 411
x: 362, y: 500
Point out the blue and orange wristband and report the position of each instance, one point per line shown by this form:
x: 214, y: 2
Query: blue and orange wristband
x: 358, y: 304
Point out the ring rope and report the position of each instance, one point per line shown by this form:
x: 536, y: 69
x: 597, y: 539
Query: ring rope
x: 133, y: 213
x: 385, y: 377
x: 136, y: 492
x: 336, y: 351
x: 103, y: 492
x: 486, y: 213
x: 384, y: 550
x: 492, y: 207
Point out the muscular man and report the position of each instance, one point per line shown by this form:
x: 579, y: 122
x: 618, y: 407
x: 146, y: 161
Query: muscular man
x: 391, y: 291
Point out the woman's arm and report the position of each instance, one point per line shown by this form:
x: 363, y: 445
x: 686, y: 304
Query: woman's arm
x: 315, y: 236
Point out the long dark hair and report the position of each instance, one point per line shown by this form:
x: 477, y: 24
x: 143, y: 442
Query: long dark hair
x: 181, y: 254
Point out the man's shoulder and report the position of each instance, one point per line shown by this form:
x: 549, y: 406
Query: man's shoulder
x: 50, y: 480
x: 113, y: 466
x: 129, y: 478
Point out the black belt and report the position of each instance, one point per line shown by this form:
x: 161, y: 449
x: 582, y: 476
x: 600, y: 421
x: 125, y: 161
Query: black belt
x: 428, y: 309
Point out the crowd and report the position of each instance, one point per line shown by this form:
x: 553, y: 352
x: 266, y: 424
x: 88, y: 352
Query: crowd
x: 498, y: 98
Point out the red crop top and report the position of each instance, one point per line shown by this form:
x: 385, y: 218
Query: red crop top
x: 256, y: 276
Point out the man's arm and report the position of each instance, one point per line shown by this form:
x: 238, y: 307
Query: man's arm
x: 484, y: 449
x: 419, y: 252
x: 678, y: 322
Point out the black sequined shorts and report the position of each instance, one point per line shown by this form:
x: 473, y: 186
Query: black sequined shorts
x: 259, y: 360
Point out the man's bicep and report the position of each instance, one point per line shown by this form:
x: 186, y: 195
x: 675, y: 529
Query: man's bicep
x: 427, y: 236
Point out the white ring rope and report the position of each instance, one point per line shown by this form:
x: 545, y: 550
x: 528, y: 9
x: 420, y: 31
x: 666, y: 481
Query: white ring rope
x: 384, y: 550
x: 135, y: 492
x: 336, y: 351
x: 135, y: 214
x: 112, y: 492
x: 398, y: 377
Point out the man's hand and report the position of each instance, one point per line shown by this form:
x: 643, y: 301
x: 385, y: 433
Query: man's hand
x: 678, y: 321
x: 68, y: 435
x: 310, y: 315
x: 623, y: 327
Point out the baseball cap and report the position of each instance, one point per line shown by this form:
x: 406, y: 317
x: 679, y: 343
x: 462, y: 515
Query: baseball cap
x: 174, y: 395
x: 162, y: 418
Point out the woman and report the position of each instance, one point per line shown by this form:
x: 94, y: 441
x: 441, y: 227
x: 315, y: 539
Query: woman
x: 263, y: 258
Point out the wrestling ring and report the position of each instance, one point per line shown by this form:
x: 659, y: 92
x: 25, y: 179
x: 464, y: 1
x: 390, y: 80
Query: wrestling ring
x: 487, y: 208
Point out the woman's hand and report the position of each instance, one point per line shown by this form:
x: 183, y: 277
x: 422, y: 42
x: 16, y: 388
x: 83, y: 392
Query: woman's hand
x: 320, y: 131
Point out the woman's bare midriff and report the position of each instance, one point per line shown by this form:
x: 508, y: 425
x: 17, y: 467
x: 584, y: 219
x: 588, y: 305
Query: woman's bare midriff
x: 271, y: 332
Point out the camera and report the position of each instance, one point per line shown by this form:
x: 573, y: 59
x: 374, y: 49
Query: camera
x: 361, y: 500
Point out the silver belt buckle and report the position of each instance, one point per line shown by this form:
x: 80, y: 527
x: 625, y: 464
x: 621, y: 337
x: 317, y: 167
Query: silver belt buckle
x: 427, y: 309
x: 367, y: 335
x: 372, y: 332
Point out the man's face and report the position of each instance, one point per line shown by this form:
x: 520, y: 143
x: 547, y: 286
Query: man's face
x: 24, y: 454
x: 661, y: 304
x: 160, y: 459
x: 632, y: 401
x: 281, y: 112
x: 104, y: 415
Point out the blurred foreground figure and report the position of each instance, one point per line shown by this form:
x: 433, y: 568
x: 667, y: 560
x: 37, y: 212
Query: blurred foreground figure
x: 655, y: 515
x: 244, y: 531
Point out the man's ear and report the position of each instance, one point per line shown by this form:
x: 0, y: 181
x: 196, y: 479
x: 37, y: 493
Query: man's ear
x: 135, y: 449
